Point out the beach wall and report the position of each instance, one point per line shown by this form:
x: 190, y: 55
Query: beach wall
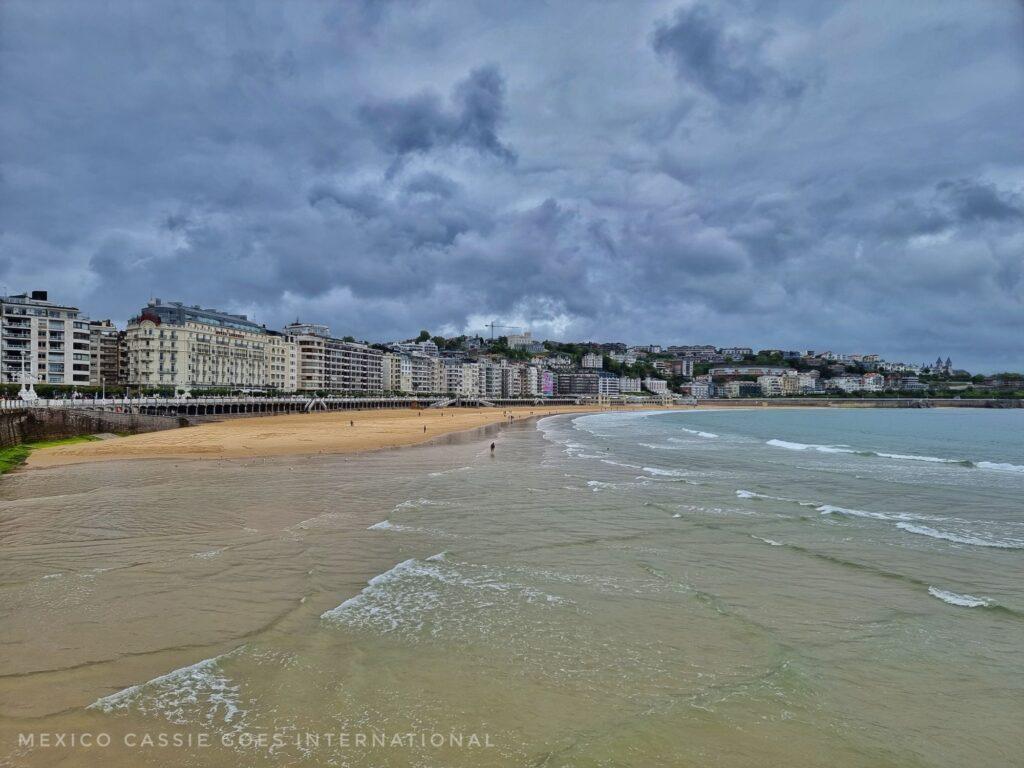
x: 44, y: 424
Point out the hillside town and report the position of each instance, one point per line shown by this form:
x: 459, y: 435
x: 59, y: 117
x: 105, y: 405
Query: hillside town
x: 171, y: 348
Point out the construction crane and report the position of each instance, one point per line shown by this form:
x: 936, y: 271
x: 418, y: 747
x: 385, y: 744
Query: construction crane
x: 492, y: 325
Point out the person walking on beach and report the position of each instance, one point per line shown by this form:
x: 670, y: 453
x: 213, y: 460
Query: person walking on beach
x: 492, y: 447
x: 424, y: 427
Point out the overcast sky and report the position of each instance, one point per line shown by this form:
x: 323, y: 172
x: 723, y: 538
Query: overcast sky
x: 825, y: 175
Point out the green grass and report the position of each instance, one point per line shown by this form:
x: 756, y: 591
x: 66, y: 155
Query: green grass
x: 16, y: 455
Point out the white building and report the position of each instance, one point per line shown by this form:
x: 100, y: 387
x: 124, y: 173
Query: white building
x: 427, y: 374
x: 845, y: 384
x: 656, y: 386
x: 51, y: 341
x: 608, y: 386
x: 396, y: 372
x: 427, y: 347
x: 771, y: 386
x: 629, y: 385
x: 185, y: 347
x: 873, y: 382
x: 327, y: 364
x: 702, y: 389
x: 810, y: 382
x: 592, y: 360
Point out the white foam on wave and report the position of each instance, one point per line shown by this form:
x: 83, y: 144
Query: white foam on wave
x: 771, y: 542
x: 621, y: 464
x: 208, y: 554
x: 990, y: 465
x: 1000, y: 467
x: 914, y: 457
x: 387, y: 525
x: 413, y: 503
x: 698, y: 433
x: 663, y: 472
x: 923, y: 530
x: 832, y: 509
x: 414, y: 593
x: 177, y: 695
x: 953, y: 598
x: 809, y: 447
x: 447, y: 471
x: 742, y: 494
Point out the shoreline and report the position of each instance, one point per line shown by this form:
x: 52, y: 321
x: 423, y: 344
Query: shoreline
x: 312, y: 434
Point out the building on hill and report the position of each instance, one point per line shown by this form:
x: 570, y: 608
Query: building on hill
x: 592, y: 360
x: 656, y: 386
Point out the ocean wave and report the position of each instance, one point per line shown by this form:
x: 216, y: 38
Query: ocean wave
x: 387, y: 525
x: 601, y: 485
x: 664, y: 472
x: 621, y: 464
x: 1000, y: 467
x: 771, y: 542
x: 207, y: 555
x: 697, y: 432
x: 416, y: 593
x: 953, y: 598
x: 809, y: 447
x: 177, y: 695
x: 989, y: 465
x: 413, y: 503
x: 832, y: 509
x: 447, y: 471
x: 742, y: 494
x: 923, y: 530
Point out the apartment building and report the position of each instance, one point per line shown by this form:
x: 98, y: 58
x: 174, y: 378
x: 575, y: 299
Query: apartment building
x: 581, y: 383
x: 186, y: 347
x: 396, y: 372
x: 630, y: 385
x: 592, y: 360
x: 656, y: 386
x: 49, y: 341
x: 681, y: 367
x: 327, y: 364
x: 105, y: 358
x: 427, y: 374
x: 608, y: 385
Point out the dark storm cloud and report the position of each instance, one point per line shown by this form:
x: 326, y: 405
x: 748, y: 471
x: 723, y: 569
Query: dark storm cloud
x: 792, y: 174
x: 724, y: 63
x: 421, y: 122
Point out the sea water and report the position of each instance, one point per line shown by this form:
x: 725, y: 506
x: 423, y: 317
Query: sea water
x: 727, y: 588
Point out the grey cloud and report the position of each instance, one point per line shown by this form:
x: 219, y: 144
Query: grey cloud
x: 725, y: 64
x: 974, y: 201
x: 353, y: 163
x: 421, y: 122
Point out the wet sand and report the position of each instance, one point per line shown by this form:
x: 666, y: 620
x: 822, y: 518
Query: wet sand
x: 335, y: 432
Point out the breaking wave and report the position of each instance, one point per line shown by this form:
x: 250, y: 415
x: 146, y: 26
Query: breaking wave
x: 923, y: 530
x: 953, y: 598
x: 201, y: 691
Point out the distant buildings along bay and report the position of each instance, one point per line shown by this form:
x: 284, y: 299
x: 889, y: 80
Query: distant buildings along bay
x: 174, y: 347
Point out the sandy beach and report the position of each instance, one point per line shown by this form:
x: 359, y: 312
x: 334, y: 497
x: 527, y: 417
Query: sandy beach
x: 294, y: 434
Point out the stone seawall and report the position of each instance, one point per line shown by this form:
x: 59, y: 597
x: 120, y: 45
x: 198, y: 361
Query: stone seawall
x: 43, y: 424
